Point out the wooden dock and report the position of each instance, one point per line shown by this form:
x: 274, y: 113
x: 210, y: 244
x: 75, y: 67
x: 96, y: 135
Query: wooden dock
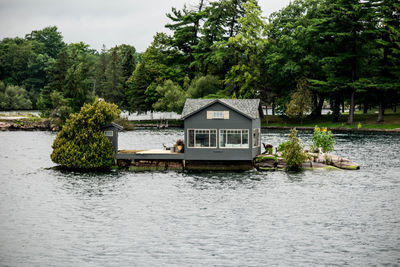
x: 126, y: 158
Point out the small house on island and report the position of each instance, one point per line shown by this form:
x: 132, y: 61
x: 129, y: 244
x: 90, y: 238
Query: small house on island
x: 218, y: 134
x: 222, y: 130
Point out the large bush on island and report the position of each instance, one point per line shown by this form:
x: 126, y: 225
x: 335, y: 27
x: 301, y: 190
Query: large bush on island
x: 324, y: 139
x: 293, y: 153
x: 81, y: 144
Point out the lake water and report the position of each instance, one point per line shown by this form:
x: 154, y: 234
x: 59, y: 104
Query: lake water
x: 57, y: 218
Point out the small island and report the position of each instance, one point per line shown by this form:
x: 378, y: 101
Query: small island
x: 225, y: 134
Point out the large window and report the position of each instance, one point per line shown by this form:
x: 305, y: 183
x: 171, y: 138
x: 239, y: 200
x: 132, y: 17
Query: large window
x: 234, y: 138
x: 256, y: 137
x: 202, y: 138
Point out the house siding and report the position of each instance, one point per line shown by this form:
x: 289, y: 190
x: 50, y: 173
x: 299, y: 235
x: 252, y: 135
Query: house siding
x: 113, y: 139
x: 236, y: 121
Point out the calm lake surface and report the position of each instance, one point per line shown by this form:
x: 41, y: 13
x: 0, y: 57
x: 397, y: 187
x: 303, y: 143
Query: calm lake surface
x: 56, y: 218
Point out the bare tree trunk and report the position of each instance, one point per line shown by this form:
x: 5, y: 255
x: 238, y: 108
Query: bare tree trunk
x: 350, y: 120
x: 381, y: 108
x: 320, y: 105
x: 365, y: 109
x: 336, y: 109
x: 342, y: 105
x: 273, y: 107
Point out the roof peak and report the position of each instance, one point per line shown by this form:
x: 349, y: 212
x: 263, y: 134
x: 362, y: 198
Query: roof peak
x: 248, y: 107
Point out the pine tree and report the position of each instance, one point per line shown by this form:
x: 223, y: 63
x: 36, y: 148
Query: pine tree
x: 113, y: 87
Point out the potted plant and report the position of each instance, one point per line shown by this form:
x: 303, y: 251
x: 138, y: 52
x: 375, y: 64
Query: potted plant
x: 179, y: 145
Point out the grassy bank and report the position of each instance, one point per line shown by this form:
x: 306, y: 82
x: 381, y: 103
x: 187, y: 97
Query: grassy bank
x: 361, y: 121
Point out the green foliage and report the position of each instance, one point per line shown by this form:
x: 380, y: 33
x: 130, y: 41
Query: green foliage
x: 282, y: 146
x: 203, y: 86
x: 172, y: 97
x: 81, y: 144
x: 301, y: 101
x: 294, y: 154
x: 13, y: 97
x: 324, y: 139
x: 245, y: 76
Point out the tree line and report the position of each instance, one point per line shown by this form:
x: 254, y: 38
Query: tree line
x: 341, y: 52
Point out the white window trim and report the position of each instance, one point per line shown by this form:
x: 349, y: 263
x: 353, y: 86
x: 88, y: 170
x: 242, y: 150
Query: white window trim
x: 209, y: 138
x: 241, y: 139
x: 211, y: 115
x: 259, y: 137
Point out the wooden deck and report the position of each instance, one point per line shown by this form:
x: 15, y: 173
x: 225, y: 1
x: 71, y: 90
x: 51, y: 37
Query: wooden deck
x: 152, y: 154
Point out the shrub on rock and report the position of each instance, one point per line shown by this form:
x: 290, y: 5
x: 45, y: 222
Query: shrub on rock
x: 81, y: 144
x: 293, y: 153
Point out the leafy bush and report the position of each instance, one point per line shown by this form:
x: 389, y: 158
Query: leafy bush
x: 293, y: 154
x: 81, y: 144
x: 324, y: 139
x: 283, y: 146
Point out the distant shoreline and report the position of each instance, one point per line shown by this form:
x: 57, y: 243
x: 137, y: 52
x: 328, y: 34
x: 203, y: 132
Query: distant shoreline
x: 43, y: 124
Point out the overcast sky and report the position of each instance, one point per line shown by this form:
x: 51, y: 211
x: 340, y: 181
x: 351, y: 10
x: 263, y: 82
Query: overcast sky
x: 98, y: 22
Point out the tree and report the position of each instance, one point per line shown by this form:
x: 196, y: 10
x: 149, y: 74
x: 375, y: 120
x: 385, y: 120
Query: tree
x: 203, y: 86
x: 137, y: 85
x: 244, y: 78
x: 13, y: 97
x: 113, y: 91
x: 81, y: 144
x: 342, y: 26
x: 101, y: 68
x: 172, y: 97
x: 301, y: 101
x: 51, y: 40
x: 384, y: 69
x: 72, y: 74
x: 185, y: 25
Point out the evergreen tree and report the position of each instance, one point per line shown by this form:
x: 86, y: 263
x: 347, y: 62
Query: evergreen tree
x: 114, y: 80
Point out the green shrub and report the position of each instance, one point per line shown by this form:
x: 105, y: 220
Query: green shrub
x: 81, y: 144
x: 293, y: 154
x: 283, y: 146
x: 324, y: 139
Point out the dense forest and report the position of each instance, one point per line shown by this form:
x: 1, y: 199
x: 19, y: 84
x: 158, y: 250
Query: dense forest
x: 340, y: 52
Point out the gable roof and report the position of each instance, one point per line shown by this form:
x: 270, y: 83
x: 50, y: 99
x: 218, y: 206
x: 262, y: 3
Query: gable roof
x: 112, y: 124
x: 248, y: 107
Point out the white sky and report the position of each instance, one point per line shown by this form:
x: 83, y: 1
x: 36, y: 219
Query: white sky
x: 98, y: 22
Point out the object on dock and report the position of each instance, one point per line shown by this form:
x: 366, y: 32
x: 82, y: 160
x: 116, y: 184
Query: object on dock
x: 161, y: 124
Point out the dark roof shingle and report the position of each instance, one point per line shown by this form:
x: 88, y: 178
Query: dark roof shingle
x: 248, y: 107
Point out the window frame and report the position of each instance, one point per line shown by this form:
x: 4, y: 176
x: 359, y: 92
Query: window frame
x: 218, y: 117
x: 259, y: 137
x: 241, y: 138
x: 209, y: 138
x: 108, y: 133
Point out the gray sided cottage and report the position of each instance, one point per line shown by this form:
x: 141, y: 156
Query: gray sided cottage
x: 222, y: 129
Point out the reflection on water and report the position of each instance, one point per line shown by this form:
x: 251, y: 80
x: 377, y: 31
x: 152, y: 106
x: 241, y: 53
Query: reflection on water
x: 58, y: 218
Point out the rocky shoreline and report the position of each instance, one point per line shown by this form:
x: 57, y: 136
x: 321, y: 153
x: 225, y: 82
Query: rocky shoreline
x: 37, y: 124
x: 274, y: 162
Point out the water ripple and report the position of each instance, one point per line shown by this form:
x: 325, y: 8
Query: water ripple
x: 58, y: 218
